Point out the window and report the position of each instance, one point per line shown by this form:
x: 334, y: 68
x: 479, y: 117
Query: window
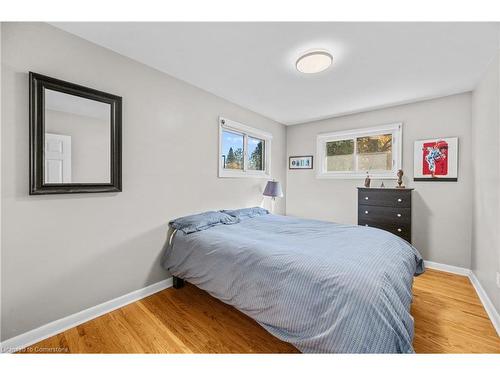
x: 256, y: 154
x: 350, y: 154
x: 243, y: 151
x: 232, y: 150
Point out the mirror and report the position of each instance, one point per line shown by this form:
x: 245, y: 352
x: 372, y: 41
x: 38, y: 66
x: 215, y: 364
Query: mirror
x: 75, y: 138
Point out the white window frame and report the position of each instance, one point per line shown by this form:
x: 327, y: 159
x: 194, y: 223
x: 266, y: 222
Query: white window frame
x: 246, y: 131
x: 395, y: 129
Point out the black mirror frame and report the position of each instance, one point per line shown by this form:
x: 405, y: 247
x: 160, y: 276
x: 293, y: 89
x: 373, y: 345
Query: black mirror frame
x: 37, y: 84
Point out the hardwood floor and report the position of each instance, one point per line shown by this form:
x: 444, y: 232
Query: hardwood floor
x: 449, y: 318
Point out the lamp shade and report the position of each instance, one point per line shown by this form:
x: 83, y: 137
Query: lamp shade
x: 273, y: 189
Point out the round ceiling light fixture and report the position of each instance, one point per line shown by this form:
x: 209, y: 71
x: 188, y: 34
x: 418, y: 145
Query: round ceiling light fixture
x: 314, y: 62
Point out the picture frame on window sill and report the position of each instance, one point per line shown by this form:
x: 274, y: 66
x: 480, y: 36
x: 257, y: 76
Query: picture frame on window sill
x: 300, y: 162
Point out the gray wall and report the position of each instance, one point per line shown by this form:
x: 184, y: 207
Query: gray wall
x: 485, y: 151
x: 441, y: 211
x: 1, y: 210
x: 62, y: 254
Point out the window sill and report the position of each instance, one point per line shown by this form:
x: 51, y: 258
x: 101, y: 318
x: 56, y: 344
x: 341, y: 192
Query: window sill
x: 357, y: 176
x: 235, y: 174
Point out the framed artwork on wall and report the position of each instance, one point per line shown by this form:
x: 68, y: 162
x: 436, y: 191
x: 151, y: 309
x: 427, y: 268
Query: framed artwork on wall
x: 436, y: 159
x: 300, y: 162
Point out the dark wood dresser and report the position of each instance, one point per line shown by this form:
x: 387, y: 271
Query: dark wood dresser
x: 386, y: 208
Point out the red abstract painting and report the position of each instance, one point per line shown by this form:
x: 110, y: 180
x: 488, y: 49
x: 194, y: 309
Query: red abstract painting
x: 435, y: 158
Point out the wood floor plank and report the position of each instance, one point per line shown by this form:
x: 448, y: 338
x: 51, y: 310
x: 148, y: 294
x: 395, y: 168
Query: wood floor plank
x: 449, y: 318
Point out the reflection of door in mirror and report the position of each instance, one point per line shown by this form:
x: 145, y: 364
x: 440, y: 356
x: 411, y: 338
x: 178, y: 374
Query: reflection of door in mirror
x: 57, y: 158
x: 86, y: 125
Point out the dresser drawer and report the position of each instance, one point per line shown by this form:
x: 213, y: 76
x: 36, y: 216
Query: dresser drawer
x: 382, y: 214
x: 387, y: 198
x: 401, y: 230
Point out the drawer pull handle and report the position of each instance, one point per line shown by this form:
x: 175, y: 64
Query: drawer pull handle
x: 399, y: 229
x: 366, y: 212
x: 400, y: 200
x: 399, y: 215
x: 366, y: 198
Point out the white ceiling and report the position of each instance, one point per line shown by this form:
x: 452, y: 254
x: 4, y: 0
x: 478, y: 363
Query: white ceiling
x: 253, y: 64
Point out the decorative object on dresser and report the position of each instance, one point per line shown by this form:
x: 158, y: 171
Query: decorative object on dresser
x: 367, y: 180
x: 386, y: 208
x: 300, y: 162
x: 436, y: 160
x: 400, y: 179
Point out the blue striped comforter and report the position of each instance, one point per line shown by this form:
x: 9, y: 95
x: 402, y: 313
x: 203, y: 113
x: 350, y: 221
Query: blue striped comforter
x: 321, y: 286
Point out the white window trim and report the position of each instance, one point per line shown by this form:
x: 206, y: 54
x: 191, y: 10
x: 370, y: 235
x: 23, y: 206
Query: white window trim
x: 230, y: 125
x: 395, y: 129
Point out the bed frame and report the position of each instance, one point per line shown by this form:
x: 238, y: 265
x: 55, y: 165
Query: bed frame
x: 178, y: 282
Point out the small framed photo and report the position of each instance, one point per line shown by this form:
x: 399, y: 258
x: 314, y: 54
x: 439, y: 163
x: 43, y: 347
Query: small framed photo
x: 300, y: 162
x: 436, y: 160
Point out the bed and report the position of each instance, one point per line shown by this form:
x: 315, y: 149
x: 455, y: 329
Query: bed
x: 321, y: 286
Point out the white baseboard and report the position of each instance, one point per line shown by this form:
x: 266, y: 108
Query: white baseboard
x: 447, y: 268
x: 53, y: 328
x: 488, y: 305
x: 485, y: 300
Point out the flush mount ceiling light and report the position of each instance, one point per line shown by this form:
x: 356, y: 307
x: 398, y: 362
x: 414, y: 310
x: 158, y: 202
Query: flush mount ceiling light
x: 314, y: 62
